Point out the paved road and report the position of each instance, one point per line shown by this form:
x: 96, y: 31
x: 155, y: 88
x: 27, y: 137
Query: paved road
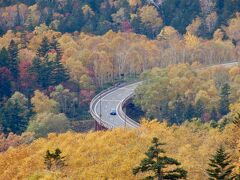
x: 113, y: 99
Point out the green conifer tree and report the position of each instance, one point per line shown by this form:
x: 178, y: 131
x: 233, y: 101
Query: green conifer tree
x: 220, y: 167
x: 214, y: 114
x: 224, y: 101
x: 29, y: 25
x: 59, y: 73
x: 199, y: 108
x: 179, y: 110
x: 57, y: 47
x: 158, y: 164
x: 54, y: 161
x: 13, y: 59
x: 190, y: 112
x: 42, y: 69
x: 4, y: 57
x: 236, y: 120
x: 44, y: 48
x: 16, y: 114
x: 23, y: 40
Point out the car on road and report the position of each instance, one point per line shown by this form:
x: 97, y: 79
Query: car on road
x: 113, y: 112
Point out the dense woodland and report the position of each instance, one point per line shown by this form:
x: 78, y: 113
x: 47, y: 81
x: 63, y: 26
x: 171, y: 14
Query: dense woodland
x: 146, y: 17
x: 55, y: 58
x: 47, y: 72
x: 182, y: 92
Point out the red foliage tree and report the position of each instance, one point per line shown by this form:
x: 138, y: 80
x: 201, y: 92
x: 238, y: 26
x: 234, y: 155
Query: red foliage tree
x: 27, y: 79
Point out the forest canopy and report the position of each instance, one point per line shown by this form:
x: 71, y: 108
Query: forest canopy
x: 113, y: 154
x: 56, y: 55
x: 146, y: 17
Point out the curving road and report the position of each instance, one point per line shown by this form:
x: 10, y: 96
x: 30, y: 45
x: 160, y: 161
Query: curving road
x: 115, y: 98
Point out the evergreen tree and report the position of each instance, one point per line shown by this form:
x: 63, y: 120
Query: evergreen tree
x: 48, y: 73
x: 3, y: 58
x: 214, y: 114
x: 13, y: 59
x: 44, y: 48
x: 236, y: 120
x: 59, y: 73
x: 159, y: 164
x: 16, y: 114
x: 29, y: 22
x: 224, y: 101
x: 23, y: 40
x: 57, y: 47
x: 190, y: 112
x: 164, y: 109
x: 220, y: 167
x: 5, y: 83
x: 1, y: 31
x: 18, y: 18
x: 48, y: 160
x: 199, y: 108
x: 54, y: 161
x: 42, y: 69
x: 179, y: 109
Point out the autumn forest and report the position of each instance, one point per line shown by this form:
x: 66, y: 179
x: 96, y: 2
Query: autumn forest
x: 57, y: 55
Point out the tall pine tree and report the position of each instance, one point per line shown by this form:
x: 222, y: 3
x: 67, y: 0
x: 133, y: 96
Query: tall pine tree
x: 48, y: 73
x: 179, y: 110
x: 23, y: 40
x: 220, y: 167
x: 236, y: 120
x: 190, y: 112
x: 159, y: 164
x: 42, y: 69
x: 44, y: 48
x: 54, y: 161
x: 59, y: 72
x: 57, y: 47
x: 199, y: 108
x: 214, y: 114
x: 3, y: 57
x: 13, y: 59
x: 224, y: 101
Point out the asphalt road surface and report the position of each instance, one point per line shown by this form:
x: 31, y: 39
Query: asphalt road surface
x: 113, y: 101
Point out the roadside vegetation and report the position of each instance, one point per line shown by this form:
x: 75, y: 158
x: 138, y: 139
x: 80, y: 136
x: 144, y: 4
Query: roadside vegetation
x: 183, y: 92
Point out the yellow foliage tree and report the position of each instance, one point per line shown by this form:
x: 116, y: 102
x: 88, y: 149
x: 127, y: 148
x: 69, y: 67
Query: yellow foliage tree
x: 42, y: 104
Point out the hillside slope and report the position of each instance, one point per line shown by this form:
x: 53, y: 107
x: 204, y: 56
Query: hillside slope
x: 113, y: 154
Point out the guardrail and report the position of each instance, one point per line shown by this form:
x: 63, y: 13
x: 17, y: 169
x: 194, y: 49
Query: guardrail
x: 93, y: 104
x: 122, y: 115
